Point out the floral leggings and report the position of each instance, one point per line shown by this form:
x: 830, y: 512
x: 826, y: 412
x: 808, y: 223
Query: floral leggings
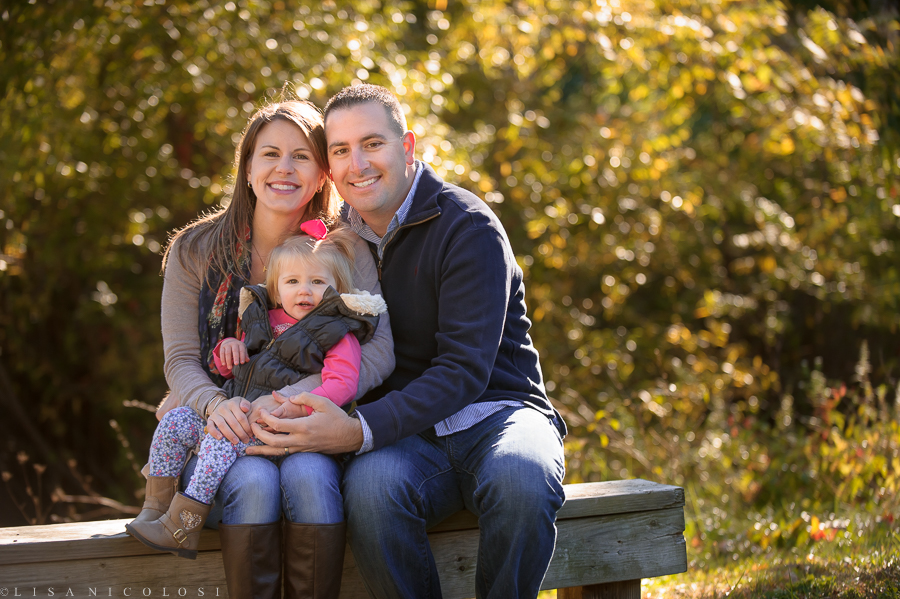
x: 179, y: 431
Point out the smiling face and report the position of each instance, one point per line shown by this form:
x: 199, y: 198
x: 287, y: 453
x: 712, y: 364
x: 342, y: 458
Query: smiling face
x: 282, y: 170
x: 301, y: 285
x: 372, y: 164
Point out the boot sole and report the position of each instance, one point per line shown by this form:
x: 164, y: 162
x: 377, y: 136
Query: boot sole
x: 185, y: 553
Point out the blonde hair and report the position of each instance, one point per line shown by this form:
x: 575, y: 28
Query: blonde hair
x: 223, y: 232
x: 336, y: 253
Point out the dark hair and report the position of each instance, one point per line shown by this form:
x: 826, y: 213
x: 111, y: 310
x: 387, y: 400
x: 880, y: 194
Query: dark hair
x: 223, y: 232
x: 365, y: 93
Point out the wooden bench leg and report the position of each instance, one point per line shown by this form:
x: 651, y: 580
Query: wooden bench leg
x: 627, y: 589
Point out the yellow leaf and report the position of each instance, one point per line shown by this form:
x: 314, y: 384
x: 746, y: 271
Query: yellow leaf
x: 839, y: 194
x: 787, y: 145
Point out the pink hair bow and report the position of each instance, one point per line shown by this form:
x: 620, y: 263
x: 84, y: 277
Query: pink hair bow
x: 314, y: 228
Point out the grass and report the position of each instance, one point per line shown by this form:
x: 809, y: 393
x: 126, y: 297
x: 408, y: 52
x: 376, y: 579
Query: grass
x: 855, y: 557
x: 802, y: 506
x: 867, y: 568
x: 869, y: 571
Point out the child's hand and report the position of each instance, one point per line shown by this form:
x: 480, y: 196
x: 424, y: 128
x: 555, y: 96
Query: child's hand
x: 233, y: 352
x: 287, y: 409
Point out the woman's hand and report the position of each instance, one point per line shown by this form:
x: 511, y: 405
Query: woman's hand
x: 229, y: 420
x: 233, y: 352
x: 327, y: 430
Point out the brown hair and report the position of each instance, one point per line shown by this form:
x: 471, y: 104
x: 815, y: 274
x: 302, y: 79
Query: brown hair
x: 223, y: 232
x: 336, y: 253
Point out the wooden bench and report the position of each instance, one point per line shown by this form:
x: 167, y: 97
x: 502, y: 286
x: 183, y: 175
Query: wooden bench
x: 611, y: 535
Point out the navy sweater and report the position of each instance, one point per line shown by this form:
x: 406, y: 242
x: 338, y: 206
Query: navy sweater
x: 459, y: 322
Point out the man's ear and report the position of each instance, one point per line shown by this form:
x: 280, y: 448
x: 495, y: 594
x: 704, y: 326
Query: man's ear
x: 409, y: 147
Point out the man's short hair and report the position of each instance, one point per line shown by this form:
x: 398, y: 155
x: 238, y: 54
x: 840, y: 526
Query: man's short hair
x: 365, y: 93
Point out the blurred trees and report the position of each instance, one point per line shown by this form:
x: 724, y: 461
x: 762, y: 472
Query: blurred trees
x: 703, y: 196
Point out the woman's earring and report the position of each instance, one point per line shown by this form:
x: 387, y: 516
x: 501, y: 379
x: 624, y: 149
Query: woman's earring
x: 249, y: 184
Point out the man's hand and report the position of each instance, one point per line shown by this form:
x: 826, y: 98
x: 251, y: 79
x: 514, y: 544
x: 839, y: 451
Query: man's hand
x: 229, y: 420
x: 327, y: 430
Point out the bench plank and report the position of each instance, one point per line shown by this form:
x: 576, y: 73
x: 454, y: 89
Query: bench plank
x: 59, y: 542
x: 112, y: 576
x: 79, y: 540
x: 607, y: 532
x: 618, y: 548
x: 628, y: 589
x: 607, y: 548
x: 633, y: 546
x: 619, y: 497
x: 595, y: 499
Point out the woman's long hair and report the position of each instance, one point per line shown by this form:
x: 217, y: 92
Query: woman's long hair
x: 222, y: 234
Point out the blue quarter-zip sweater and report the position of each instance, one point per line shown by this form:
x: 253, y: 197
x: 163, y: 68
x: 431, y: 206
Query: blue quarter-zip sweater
x: 459, y: 322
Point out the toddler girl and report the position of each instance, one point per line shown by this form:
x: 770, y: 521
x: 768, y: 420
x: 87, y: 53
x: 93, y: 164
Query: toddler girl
x: 312, y: 329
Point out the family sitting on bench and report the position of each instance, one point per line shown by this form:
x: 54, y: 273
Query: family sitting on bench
x: 451, y: 411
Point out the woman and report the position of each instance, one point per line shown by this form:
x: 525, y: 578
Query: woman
x: 280, y: 182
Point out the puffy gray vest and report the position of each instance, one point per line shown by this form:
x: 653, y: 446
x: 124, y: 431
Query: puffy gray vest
x: 296, y: 353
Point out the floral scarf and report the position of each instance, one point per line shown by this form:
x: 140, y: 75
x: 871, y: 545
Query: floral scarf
x: 218, y: 314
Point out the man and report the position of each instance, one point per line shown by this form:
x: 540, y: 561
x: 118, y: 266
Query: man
x: 464, y: 420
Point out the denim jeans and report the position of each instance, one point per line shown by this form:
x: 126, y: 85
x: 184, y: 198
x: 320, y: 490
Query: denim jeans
x: 507, y: 470
x: 303, y: 486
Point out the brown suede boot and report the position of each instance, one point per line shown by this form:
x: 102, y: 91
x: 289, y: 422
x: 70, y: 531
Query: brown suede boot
x: 313, y: 560
x: 176, y: 531
x: 251, y: 555
x: 157, y: 498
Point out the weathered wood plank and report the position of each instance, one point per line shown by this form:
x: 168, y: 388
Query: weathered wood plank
x: 595, y: 499
x: 147, y: 575
x: 589, y: 550
x: 618, y: 497
x: 616, y: 548
x: 627, y: 589
x: 79, y: 540
x: 61, y: 541
x: 608, y: 532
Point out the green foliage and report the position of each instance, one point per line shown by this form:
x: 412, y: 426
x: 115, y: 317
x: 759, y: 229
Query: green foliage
x: 703, y: 197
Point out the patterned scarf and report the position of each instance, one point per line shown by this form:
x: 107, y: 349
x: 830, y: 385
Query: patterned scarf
x: 219, y: 301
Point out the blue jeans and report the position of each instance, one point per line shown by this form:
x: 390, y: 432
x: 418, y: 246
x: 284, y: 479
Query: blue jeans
x: 507, y: 470
x: 303, y: 486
